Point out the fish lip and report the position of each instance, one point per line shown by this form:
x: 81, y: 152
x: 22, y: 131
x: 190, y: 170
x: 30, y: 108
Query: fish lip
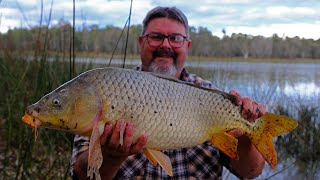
x: 31, y: 119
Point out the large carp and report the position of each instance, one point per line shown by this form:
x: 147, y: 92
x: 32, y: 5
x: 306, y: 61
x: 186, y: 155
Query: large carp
x: 172, y: 113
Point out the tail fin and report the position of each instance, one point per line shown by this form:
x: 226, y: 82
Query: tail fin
x: 267, y: 127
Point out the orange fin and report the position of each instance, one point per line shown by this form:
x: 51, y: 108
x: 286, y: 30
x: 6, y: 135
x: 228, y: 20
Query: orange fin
x: 226, y: 143
x: 95, y: 155
x: 267, y: 127
x: 155, y: 157
x: 150, y: 157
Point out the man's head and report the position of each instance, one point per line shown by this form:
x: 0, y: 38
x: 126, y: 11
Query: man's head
x: 164, y: 41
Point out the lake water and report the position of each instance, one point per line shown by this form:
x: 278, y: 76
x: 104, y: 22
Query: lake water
x: 287, y: 84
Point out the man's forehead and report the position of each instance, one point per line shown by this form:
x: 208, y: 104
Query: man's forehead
x: 165, y: 24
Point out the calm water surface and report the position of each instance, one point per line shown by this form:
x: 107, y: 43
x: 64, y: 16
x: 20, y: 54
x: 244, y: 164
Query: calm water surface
x: 295, y: 80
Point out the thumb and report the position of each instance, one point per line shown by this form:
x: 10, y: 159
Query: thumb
x: 236, y: 132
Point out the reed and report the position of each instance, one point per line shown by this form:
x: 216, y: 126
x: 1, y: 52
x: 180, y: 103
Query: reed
x: 25, y: 80
x: 302, y: 145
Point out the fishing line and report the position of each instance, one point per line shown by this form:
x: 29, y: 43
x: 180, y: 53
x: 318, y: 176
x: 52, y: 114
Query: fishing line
x: 114, y: 50
x: 281, y: 171
x: 127, y: 39
x: 128, y: 28
x: 72, y: 53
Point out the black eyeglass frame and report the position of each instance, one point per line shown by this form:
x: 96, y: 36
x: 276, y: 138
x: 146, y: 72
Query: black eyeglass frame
x: 171, y: 42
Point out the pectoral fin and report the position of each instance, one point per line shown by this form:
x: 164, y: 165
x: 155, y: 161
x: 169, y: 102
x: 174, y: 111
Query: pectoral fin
x: 226, y: 143
x: 122, y: 129
x: 95, y: 154
x: 155, y: 157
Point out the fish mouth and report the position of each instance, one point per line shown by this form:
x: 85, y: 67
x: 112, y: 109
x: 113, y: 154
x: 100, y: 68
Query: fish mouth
x: 30, y: 120
x: 33, y: 121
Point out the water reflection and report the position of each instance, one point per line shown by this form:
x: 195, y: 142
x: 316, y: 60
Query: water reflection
x: 302, y: 89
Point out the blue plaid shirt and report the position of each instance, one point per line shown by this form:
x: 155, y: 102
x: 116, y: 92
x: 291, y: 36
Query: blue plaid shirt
x: 201, y: 162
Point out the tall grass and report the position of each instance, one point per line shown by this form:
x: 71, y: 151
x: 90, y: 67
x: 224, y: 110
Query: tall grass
x: 302, y: 145
x: 24, y: 81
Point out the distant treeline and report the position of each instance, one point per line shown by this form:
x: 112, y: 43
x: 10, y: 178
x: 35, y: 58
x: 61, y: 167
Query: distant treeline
x: 105, y: 40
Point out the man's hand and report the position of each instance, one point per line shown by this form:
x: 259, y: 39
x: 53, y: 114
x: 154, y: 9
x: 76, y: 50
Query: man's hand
x: 251, y: 110
x: 113, y: 153
x: 251, y: 162
x: 110, y: 142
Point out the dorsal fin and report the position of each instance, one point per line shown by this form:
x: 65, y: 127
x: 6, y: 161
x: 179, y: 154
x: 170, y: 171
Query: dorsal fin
x: 226, y: 95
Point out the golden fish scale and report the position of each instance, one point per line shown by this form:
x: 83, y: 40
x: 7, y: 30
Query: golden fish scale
x: 173, y: 115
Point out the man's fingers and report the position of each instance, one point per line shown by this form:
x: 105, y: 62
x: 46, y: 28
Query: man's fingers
x: 141, y: 143
x: 247, y: 108
x: 252, y: 117
x: 262, y: 109
x: 115, y: 137
x: 107, y: 131
x: 237, y: 95
x: 110, y: 140
x: 128, y: 137
x: 250, y: 109
x: 234, y: 92
x: 236, y: 132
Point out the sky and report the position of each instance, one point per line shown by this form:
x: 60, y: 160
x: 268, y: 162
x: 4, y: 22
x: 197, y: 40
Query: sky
x: 286, y: 18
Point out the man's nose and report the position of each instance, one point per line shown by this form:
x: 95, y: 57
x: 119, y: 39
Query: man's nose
x: 166, y: 43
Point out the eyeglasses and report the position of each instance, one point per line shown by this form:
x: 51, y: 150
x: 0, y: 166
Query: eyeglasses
x: 156, y: 39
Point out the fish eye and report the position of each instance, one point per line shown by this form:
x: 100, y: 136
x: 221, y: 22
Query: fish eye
x: 55, y: 102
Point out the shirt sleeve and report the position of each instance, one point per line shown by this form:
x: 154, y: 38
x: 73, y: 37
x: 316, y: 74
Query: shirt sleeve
x: 80, y: 144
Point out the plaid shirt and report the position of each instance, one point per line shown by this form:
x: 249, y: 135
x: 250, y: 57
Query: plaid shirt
x: 201, y: 162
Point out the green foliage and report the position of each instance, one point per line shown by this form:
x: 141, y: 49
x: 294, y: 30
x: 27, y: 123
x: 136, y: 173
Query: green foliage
x: 24, y: 81
x: 303, y: 143
x: 103, y: 40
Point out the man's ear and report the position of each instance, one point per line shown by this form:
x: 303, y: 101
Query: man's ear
x: 140, y: 40
x: 189, y: 43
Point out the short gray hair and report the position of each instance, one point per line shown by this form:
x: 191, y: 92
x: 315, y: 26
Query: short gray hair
x: 168, y: 12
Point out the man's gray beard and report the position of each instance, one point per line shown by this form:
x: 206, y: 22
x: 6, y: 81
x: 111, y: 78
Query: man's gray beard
x: 168, y: 71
